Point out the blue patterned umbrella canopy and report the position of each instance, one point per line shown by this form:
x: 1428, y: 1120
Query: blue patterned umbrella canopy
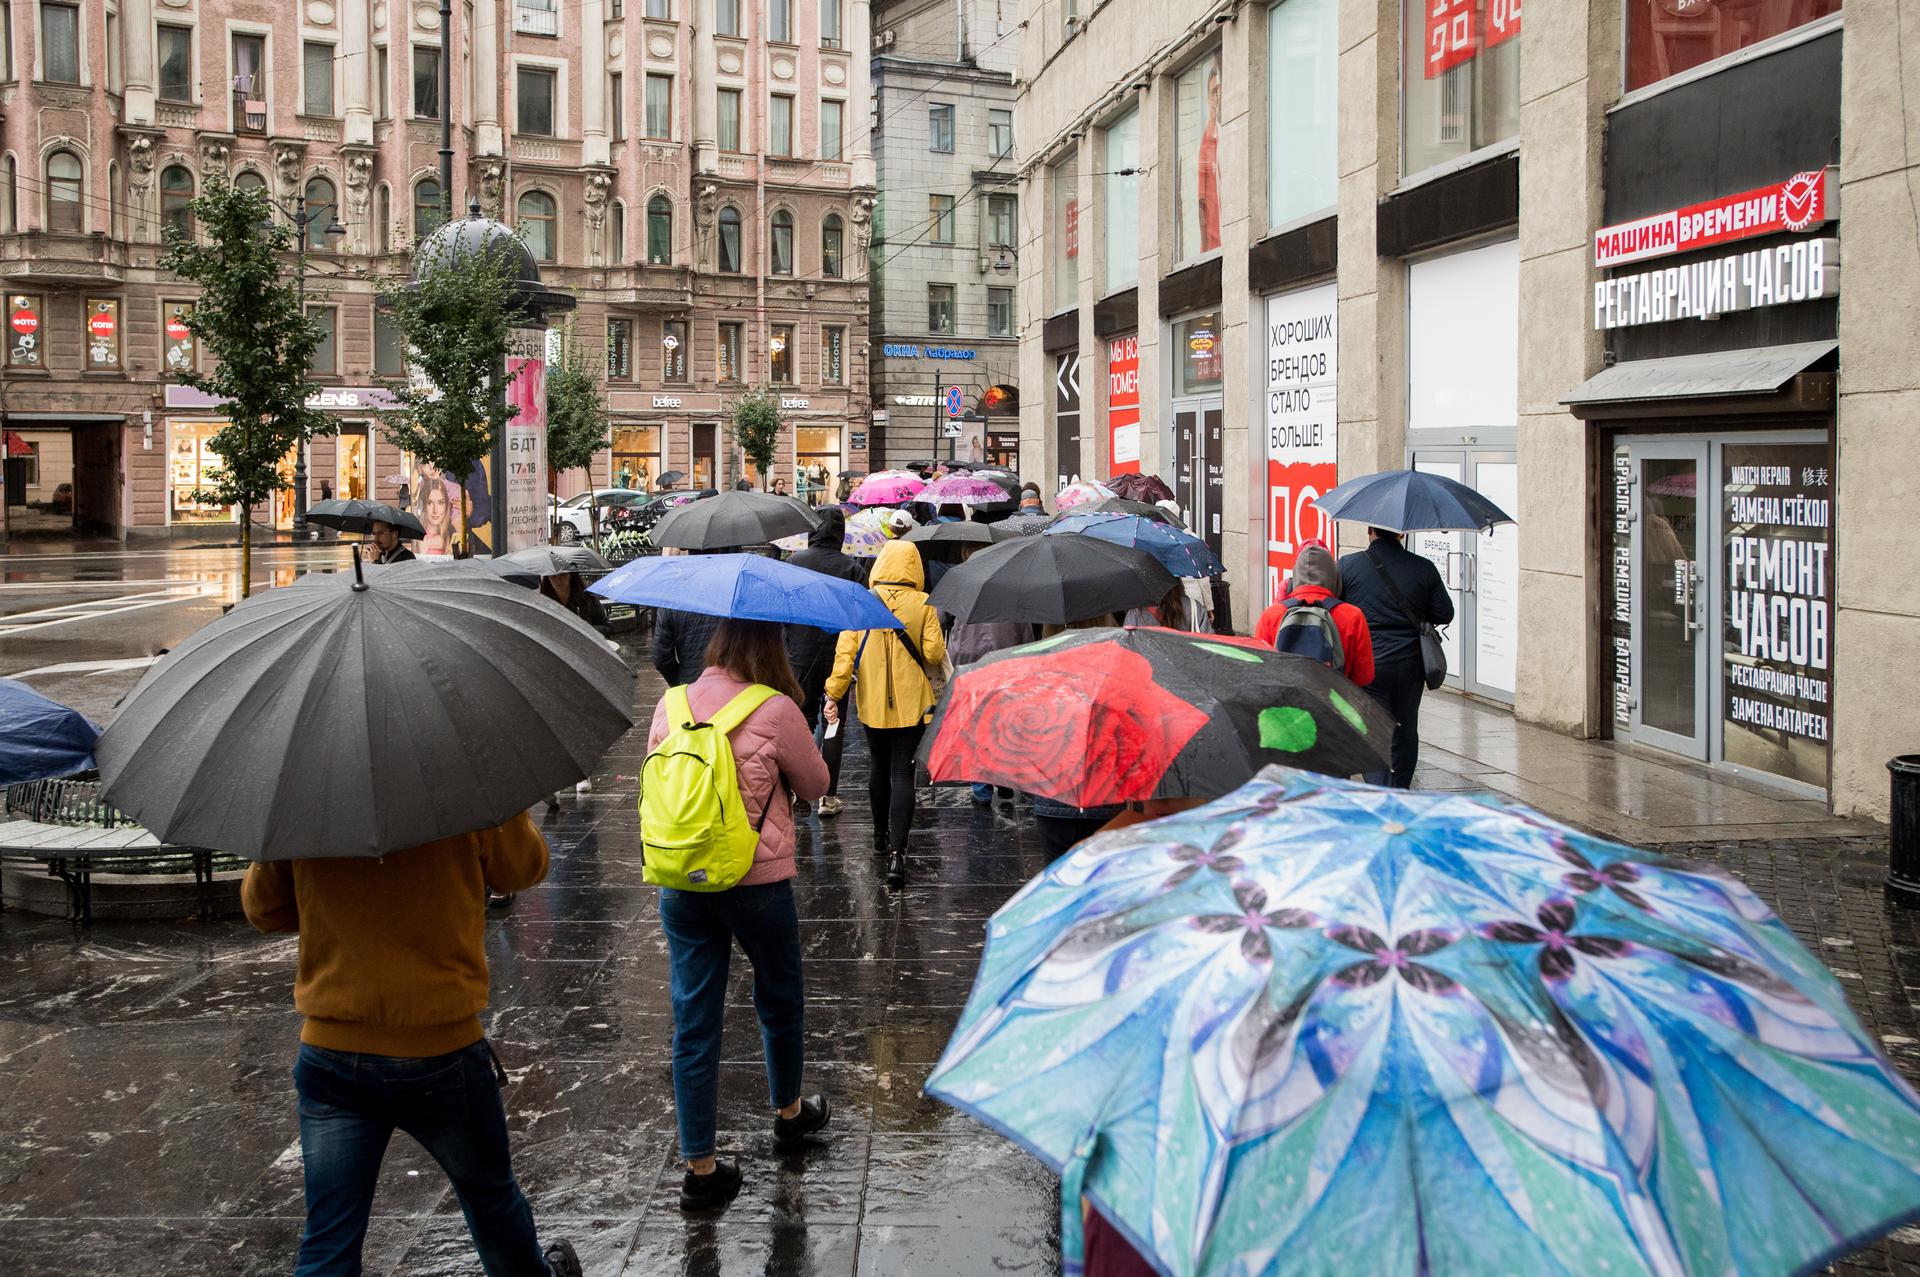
x: 1315, y: 1021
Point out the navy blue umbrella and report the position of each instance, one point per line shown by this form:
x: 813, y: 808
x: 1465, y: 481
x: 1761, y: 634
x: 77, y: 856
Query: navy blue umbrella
x: 39, y: 738
x: 1179, y: 551
x: 748, y: 587
x: 1410, y: 500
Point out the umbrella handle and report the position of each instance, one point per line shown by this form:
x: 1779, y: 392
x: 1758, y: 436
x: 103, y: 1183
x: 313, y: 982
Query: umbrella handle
x: 359, y: 580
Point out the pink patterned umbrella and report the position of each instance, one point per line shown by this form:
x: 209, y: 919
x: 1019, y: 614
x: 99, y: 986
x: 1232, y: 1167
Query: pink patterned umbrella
x: 1085, y: 492
x: 963, y: 489
x: 887, y: 487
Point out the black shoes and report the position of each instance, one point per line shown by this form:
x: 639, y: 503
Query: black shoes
x: 713, y: 1191
x: 897, y: 869
x: 562, y: 1261
x: 790, y: 1133
x: 500, y: 899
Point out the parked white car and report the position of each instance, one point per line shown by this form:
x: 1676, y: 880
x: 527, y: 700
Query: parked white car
x: 576, y: 521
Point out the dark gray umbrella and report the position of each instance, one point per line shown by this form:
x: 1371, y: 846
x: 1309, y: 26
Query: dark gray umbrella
x: 1409, y: 500
x: 734, y: 518
x: 1050, y: 581
x: 355, y: 515
x: 1020, y: 525
x: 965, y: 533
x: 549, y: 560
x: 335, y: 717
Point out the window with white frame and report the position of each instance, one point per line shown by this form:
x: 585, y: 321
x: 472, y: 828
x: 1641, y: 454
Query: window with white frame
x: 176, y: 64
x: 830, y: 24
x: 316, y: 63
x: 659, y: 107
x: 999, y: 312
x: 1459, y: 81
x: 940, y: 317
x: 1303, y: 55
x: 833, y: 116
x: 60, y: 42
x: 780, y: 126
x: 534, y: 100
x: 1000, y: 134
x: 1120, y: 200
x: 940, y: 127
x: 727, y: 118
x: 426, y: 82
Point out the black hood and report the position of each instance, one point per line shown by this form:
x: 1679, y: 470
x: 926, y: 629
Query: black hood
x: 831, y: 533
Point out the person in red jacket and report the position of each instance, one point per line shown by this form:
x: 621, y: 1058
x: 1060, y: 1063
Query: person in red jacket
x: 1315, y: 577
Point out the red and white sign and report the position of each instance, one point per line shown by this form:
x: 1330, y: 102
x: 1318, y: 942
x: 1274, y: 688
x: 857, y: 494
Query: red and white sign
x: 101, y: 325
x: 1071, y: 228
x: 1303, y: 375
x: 1503, y: 21
x: 1800, y: 203
x: 1123, y: 404
x: 1449, y: 35
x: 177, y: 328
x: 25, y: 322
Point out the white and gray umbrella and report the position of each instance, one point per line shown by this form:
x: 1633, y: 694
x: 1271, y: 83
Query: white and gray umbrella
x: 527, y: 566
x: 339, y: 717
x: 734, y: 519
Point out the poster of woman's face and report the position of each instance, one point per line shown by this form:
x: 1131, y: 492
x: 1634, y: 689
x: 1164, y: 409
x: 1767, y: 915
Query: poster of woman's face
x: 1197, y: 138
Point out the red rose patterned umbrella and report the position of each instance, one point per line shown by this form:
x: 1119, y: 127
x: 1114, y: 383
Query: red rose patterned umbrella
x: 1107, y: 716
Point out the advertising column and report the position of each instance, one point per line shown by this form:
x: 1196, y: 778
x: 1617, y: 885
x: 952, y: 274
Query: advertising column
x: 1123, y: 403
x: 525, y: 447
x: 1302, y: 423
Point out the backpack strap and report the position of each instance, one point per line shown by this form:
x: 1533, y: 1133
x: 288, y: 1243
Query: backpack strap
x: 679, y: 710
x: 1386, y: 579
x: 741, y: 707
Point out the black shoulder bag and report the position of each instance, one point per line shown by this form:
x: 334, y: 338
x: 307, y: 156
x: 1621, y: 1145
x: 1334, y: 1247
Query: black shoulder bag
x: 1433, y: 654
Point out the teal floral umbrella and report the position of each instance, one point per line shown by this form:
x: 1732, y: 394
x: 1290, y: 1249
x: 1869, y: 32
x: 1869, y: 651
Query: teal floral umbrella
x: 1315, y: 1020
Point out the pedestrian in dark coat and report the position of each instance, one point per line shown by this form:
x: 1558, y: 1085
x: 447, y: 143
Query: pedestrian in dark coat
x: 810, y: 650
x: 1399, y: 673
x: 680, y: 644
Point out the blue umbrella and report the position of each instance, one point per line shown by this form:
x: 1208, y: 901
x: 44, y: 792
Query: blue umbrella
x: 1179, y: 551
x: 1315, y: 1020
x: 1407, y: 500
x: 39, y: 738
x: 748, y: 587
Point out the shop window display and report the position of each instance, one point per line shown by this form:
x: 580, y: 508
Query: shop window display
x: 1460, y: 78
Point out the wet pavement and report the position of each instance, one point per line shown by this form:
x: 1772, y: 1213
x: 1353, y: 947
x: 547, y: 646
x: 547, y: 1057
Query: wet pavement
x: 149, y: 1110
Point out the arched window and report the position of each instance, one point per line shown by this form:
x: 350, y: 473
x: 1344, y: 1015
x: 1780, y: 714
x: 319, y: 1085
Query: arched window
x: 63, y: 191
x: 426, y: 206
x: 782, y: 245
x: 176, y: 196
x: 730, y: 240
x: 537, y: 222
x: 617, y: 233
x: 383, y: 219
x: 660, y: 230
x: 833, y: 236
x: 320, y: 214
x: 248, y: 180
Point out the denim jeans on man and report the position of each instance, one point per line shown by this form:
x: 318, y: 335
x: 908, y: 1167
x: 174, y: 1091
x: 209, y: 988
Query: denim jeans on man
x: 701, y: 927
x: 350, y: 1106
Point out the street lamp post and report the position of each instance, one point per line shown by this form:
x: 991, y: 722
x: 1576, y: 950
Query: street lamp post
x: 302, y: 219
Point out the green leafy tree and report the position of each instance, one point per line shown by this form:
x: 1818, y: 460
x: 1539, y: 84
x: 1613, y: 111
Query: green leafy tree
x: 248, y: 317
x: 756, y: 424
x: 578, y: 424
x: 455, y: 319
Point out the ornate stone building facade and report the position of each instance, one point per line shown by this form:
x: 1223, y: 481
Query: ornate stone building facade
x: 695, y: 172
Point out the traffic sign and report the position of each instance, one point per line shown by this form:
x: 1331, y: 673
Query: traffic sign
x: 956, y: 401
x: 950, y: 430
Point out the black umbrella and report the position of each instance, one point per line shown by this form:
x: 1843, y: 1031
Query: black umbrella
x: 1050, y: 581
x: 953, y: 533
x: 529, y: 565
x: 1120, y: 505
x: 668, y: 479
x: 339, y: 717
x: 355, y: 515
x: 734, y: 518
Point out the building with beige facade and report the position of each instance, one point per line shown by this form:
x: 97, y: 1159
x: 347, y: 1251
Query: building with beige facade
x: 696, y: 173
x: 1590, y: 267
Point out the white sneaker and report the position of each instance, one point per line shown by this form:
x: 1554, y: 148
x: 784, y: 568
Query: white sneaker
x: 829, y: 806
x: 584, y: 787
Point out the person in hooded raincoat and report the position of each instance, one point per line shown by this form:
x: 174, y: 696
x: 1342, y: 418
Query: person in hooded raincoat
x: 893, y: 694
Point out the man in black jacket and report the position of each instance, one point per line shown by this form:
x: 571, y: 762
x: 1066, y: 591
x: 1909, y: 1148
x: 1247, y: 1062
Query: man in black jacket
x: 1399, y: 673
x: 810, y: 650
x: 680, y: 644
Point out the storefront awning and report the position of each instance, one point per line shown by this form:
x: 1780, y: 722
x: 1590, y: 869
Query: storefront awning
x: 14, y: 418
x: 1737, y: 377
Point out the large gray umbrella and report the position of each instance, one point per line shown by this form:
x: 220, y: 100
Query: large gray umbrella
x: 334, y: 717
x: 1050, y: 580
x: 734, y: 519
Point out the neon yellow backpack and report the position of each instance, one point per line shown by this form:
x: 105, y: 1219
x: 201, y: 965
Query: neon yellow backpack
x: 694, y: 829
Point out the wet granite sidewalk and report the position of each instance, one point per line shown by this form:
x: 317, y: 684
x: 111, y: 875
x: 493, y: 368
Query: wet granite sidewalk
x: 147, y: 1102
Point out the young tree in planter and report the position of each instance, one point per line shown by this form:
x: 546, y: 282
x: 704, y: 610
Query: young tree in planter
x: 248, y: 317
x: 756, y: 424
x: 577, y: 417
x: 455, y: 319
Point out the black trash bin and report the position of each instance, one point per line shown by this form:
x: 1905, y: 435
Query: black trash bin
x: 1903, y: 876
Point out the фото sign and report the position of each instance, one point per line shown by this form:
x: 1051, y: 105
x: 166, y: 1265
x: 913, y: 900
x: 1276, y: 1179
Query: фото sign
x: 1800, y: 203
x: 1303, y: 369
x: 1123, y: 403
x: 1804, y: 270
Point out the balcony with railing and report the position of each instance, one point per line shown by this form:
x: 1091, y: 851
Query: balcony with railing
x: 536, y: 17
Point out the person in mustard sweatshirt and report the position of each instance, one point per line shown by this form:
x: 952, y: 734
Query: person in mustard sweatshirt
x: 392, y: 979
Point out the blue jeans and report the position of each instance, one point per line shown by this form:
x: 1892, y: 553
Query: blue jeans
x: 701, y: 927
x: 351, y: 1104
